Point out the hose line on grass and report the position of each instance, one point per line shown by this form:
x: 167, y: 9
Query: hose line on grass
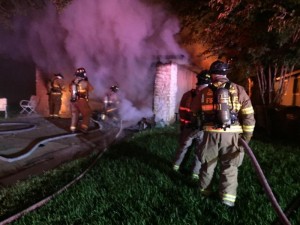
x: 295, y: 204
x: 264, y: 183
x: 47, y: 199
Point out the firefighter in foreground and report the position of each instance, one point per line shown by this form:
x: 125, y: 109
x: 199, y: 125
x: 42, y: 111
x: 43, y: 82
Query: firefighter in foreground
x: 227, y: 115
x: 190, y: 131
x: 80, y: 88
x: 111, y: 103
x: 55, y: 88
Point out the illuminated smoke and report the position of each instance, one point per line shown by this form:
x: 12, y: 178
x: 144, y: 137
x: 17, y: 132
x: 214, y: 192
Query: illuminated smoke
x: 115, y: 40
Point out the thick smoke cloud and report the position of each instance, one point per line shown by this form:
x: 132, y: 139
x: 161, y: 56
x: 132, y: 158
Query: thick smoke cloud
x: 117, y: 41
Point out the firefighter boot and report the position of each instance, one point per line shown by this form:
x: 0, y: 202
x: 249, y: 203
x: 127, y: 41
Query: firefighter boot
x: 195, y: 176
x: 84, y: 129
x: 228, y: 203
x: 176, y: 168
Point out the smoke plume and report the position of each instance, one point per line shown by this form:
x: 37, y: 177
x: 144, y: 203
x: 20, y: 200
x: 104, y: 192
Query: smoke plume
x: 116, y: 41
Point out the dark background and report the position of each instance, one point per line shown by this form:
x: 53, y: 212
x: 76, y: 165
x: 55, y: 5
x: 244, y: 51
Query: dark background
x: 17, y: 81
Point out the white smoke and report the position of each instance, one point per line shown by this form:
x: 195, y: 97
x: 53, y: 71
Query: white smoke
x: 116, y: 41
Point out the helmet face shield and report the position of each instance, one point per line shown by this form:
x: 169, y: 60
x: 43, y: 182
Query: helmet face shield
x: 203, y: 78
x: 80, y: 72
x: 114, y: 88
x: 219, y: 67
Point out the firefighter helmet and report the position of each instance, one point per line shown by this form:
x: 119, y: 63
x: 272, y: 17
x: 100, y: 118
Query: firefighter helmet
x: 114, y: 88
x: 203, y: 77
x: 219, y: 67
x: 81, y: 72
x: 59, y: 76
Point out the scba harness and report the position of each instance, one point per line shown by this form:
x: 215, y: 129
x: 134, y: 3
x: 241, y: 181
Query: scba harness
x: 222, y: 107
x: 78, y: 90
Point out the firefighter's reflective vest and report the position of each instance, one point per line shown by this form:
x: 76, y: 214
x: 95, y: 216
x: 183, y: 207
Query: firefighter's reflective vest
x: 239, y: 105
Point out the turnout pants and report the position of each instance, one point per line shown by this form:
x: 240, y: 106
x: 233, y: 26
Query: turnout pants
x: 54, y: 103
x: 82, y: 107
x: 186, y: 139
x: 221, y: 147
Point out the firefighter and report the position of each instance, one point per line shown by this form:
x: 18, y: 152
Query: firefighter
x: 190, y: 129
x: 220, y: 141
x: 111, y: 103
x: 80, y: 88
x: 55, y: 88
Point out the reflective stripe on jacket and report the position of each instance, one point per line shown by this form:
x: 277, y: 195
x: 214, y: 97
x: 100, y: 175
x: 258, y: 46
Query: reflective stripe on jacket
x: 185, y: 107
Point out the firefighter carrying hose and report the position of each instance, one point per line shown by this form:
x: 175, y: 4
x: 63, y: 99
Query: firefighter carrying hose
x: 55, y: 88
x: 80, y: 88
x: 190, y: 127
x: 227, y: 114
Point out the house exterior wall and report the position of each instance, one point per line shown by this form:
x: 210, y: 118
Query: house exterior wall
x: 165, y: 92
x: 41, y: 92
x: 291, y: 96
x: 186, y: 80
x: 171, y: 82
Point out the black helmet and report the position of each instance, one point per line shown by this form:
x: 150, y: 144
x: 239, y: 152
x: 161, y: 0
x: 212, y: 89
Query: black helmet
x: 114, y: 88
x: 218, y: 67
x: 80, y: 72
x: 203, y: 77
x: 58, y: 75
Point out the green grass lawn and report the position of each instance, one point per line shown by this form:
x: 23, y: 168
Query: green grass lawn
x: 133, y: 184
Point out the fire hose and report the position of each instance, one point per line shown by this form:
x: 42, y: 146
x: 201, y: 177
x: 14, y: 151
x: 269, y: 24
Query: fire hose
x: 52, y: 196
x: 35, y: 147
x: 264, y: 183
x: 21, y: 127
x: 40, y: 143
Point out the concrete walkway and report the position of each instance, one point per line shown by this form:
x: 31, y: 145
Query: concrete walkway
x: 36, y: 137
